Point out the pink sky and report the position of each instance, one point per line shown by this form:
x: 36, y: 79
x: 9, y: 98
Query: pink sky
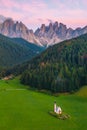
x: 33, y: 13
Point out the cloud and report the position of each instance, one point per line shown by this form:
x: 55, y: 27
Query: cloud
x: 33, y: 13
x: 70, y: 4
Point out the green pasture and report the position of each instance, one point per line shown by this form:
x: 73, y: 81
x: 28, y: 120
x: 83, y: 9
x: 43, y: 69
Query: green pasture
x: 23, y: 109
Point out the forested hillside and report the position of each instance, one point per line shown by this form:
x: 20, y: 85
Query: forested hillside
x: 16, y: 51
x: 35, y: 48
x: 61, y: 68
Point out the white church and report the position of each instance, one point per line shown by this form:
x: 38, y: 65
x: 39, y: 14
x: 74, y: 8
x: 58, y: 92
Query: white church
x: 57, y: 109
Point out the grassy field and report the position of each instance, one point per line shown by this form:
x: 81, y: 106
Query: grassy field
x: 82, y: 92
x: 22, y: 109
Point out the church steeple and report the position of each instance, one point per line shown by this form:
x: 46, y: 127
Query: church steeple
x: 55, y: 106
x: 57, y: 109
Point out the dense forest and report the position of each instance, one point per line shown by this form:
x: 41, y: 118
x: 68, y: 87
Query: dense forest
x: 61, y: 68
x: 16, y: 51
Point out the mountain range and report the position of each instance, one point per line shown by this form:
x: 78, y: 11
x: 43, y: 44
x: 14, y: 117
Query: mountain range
x: 60, y: 68
x: 43, y: 36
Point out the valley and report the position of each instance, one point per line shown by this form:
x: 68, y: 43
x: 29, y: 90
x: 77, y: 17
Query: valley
x: 43, y: 65
x: 27, y: 109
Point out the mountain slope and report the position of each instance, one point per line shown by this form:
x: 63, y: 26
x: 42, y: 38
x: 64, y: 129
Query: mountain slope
x: 2, y: 18
x: 43, y: 36
x: 57, y: 32
x: 13, y: 28
x: 16, y: 51
x: 61, y: 68
x: 22, y: 42
x: 82, y: 92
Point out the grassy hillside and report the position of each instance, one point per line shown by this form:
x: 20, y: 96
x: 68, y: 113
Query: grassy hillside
x: 16, y: 51
x: 28, y: 110
x: 61, y: 68
x: 82, y: 92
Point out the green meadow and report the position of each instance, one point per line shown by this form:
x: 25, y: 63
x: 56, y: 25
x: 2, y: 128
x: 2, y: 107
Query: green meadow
x: 23, y: 109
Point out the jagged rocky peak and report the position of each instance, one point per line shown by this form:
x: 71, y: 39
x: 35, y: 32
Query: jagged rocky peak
x: 8, y: 22
x: 50, y: 25
x: 55, y: 25
x: 62, y: 26
x: 13, y: 28
x: 43, y: 27
x: 31, y: 31
x: 2, y: 18
x: 40, y: 31
x: 20, y: 26
x: 56, y: 32
x: 7, y: 27
x: 69, y: 29
x: 62, y: 30
x: 84, y: 29
x: 23, y: 26
x: 43, y: 36
x: 37, y: 31
x: 78, y: 28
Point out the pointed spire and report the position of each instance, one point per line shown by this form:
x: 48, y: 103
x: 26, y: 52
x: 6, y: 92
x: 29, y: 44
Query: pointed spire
x: 56, y: 24
x: 43, y: 27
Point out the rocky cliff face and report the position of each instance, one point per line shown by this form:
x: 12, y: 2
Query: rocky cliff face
x: 43, y: 36
x: 54, y: 33
x: 18, y: 29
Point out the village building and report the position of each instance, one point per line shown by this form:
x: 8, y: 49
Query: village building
x: 57, y: 109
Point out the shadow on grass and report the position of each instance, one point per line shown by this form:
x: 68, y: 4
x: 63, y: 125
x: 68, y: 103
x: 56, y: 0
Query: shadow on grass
x: 62, y: 116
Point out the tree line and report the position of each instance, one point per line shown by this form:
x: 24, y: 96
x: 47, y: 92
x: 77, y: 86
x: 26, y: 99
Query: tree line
x: 61, y: 68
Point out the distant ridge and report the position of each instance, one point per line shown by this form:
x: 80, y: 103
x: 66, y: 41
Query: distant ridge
x: 43, y: 36
x: 17, y: 29
x: 57, y: 32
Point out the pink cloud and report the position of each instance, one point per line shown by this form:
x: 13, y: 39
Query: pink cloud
x: 33, y: 13
x: 8, y: 3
